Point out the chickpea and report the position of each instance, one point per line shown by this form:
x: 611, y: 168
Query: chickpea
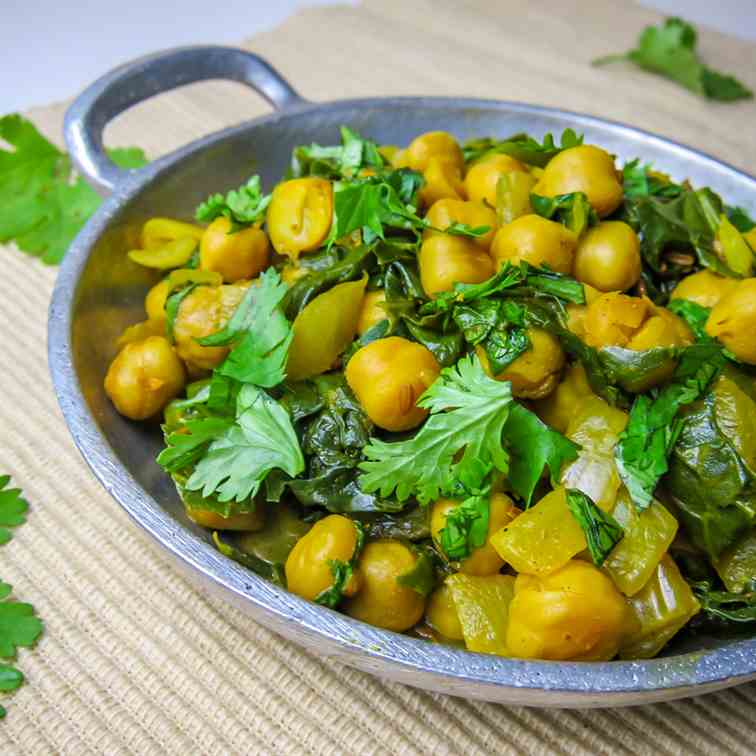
x: 536, y: 240
x: 371, y: 313
x: 443, y: 213
x: 535, y: 373
x: 154, y: 302
x: 250, y: 521
x: 443, y: 180
x: 586, y: 169
x: 388, y: 376
x: 441, y: 614
x: 704, y: 288
x: 574, y: 613
x: 446, y: 259
x: 235, y: 255
x: 299, y: 215
x: 559, y: 408
x: 433, y: 144
x: 608, y: 257
x: 144, y: 377
x: 383, y: 601
x: 484, y: 560
x: 308, y: 566
x: 482, y: 178
x: 204, y: 311
x: 733, y: 321
x: 613, y: 319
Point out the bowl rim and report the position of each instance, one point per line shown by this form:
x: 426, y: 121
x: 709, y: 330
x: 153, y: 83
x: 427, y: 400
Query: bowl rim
x: 410, y: 660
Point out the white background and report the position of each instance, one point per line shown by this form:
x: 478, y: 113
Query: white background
x: 51, y: 49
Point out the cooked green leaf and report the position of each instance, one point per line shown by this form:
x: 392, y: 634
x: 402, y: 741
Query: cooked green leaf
x: 670, y: 50
x: 243, y: 206
x: 422, y: 577
x: 639, y: 181
x: 522, y: 147
x: 504, y: 345
x: 727, y: 606
x: 602, y: 531
x: 572, y: 210
x: 467, y: 414
x: 262, y: 439
x: 269, y: 570
x: 466, y: 527
x: 693, y: 314
x: 342, y: 573
x: 653, y: 427
x: 13, y: 509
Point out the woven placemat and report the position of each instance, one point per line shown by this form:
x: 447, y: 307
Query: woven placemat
x: 134, y: 658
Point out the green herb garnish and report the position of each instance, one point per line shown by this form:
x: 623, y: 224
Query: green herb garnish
x: 243, y: 206
x: 602, y: 531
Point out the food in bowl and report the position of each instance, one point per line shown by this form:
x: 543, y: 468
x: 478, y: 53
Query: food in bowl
x: 497, y: 395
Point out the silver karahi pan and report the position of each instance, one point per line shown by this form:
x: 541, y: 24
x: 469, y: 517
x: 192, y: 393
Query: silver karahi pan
x: 99, y: 292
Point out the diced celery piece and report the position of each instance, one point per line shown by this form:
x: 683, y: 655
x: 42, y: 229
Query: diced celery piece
x: 662, y: 607
x: 543, y: 538
x: 648, y: 535
x: 483, y: 609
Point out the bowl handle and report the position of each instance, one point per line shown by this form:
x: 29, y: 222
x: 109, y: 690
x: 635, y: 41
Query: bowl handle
x: 146, y: 77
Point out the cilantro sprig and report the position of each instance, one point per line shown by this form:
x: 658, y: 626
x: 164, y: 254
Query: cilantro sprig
x: 670, y: 51
x: 243, y: 206
x: 19, y: 627
x: 43, y: 203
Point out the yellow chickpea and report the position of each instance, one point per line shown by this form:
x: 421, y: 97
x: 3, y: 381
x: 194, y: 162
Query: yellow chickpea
x: 535, y: 240
x: 388, y: 376
x: 704, y: 288
x: 249, y: 521
x: 372, y: 312
x: 446, y: 259
x: 484, y: 560
x: 608, y: 257
x: 299, y: 215
x: 383, y: 601
x: 559, y: 408
x: 204, y: 311
x: 586, y: 169
x: 235, y: 255
x: 733, y: 320
x: 443, y: 213
x: 441, y: 614
x: 144, y: 377
x: 308, y: 566
x: 575, y: 613
x: 154, y: 302
x: 443, y: 180
x: 482, y: 178
x: 430, y: 145
x: 535, y: 373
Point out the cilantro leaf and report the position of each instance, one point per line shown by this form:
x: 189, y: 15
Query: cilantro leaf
x: 533, y: 446
x: 467, y: 412
x: 670, y: 50
x: 337, y: 161
x: 571, y: 210
x: 18, y: 627
x: 260, y: 332
x: 522, y: 147
x: 653, y: 427
x: 243, y: 206
x: 189, y: 443
x: 466, y: 527
x: 262, y: 439
x: 13, y: 509
x: 602, y: 531
x: 43, y: 205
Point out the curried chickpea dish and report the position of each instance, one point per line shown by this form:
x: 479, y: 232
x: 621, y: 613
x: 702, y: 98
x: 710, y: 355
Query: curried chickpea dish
x: 499, y: 395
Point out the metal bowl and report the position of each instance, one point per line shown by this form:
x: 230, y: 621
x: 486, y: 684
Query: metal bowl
x: 99, y: 292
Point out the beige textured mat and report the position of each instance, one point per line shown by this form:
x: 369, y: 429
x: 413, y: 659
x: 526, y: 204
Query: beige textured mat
x: 134, y: 659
